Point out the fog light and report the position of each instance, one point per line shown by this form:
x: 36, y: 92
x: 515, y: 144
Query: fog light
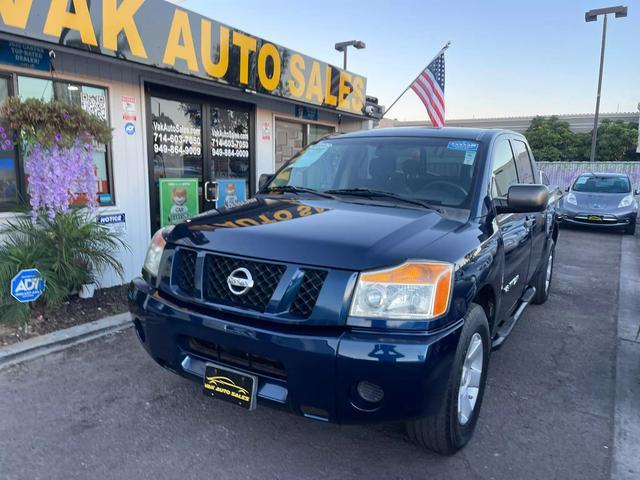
x: 370, y: 392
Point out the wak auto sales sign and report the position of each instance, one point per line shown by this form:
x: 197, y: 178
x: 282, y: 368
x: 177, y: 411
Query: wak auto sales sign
x: 27, y: 285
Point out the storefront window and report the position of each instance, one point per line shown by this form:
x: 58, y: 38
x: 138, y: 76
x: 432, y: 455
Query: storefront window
x: 229, y: 143
x: 8, y: 171
x: 93, y: 100
x: 291, y: 137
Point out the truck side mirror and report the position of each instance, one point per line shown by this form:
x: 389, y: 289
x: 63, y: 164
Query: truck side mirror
x: 636, y: 192
x: 523, y: 198
x: 567, y: 189
x: 264, y: 179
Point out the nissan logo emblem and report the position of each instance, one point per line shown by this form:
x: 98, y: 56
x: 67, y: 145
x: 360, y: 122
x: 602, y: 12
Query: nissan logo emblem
x: 240, y: 281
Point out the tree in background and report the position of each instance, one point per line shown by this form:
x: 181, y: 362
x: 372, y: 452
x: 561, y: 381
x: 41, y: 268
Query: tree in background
x: 552, y: 140
x: 617, y: 141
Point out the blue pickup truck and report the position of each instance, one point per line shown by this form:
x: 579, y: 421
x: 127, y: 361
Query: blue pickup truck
x: 367, y: 280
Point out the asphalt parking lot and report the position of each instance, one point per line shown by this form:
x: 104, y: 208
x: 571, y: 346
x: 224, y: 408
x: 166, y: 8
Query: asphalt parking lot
x: 105, y: 410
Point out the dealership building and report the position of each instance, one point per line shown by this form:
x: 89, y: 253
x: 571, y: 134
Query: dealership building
x: 198, y: 109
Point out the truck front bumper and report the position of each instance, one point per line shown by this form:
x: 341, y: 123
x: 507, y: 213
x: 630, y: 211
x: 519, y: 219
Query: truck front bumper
x: 312, y: 372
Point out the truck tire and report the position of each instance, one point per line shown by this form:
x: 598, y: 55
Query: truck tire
x: 451, y: 428
x: 543, y: 278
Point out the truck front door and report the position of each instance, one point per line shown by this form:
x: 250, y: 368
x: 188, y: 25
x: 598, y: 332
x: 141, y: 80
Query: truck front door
x: 514, y: 227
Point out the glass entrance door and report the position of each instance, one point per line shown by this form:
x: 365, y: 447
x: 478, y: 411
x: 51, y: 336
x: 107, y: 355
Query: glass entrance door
x: 200, y: 154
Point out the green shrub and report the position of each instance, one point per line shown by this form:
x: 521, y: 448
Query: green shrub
x: 69, y: 250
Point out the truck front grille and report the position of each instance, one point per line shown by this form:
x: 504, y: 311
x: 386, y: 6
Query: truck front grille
x: 185, y: 263
x: 217, y: 269
x: 308, y: 292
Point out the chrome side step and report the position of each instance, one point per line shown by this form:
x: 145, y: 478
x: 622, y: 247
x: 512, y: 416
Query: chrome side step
x: 505, y: 329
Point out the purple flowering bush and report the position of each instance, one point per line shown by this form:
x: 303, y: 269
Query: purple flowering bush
x: 57, y: 139
x: 62, y: 238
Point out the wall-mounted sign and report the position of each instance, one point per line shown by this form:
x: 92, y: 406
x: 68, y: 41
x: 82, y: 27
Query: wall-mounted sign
x: 116, y: 222
x: 308, y: 113
x: 159, y: 34
x: 27, y: 285
x: 231, y: 193
x: 129, y: 112
x: 266, y: 131
x: 23, y: 55
x: 179, y: 200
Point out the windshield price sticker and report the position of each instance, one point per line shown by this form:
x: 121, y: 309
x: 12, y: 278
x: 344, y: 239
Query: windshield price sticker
x: 311, y: 155
x: 469, y: 157
x: 463, y: 146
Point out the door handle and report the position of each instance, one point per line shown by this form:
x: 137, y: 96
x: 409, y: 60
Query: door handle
x: 210, y: 187
x: 529, y: 221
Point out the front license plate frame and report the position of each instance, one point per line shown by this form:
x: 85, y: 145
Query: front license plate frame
x: 230, y: 385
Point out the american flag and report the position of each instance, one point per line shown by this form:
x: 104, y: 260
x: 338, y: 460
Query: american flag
x: 429, y: 86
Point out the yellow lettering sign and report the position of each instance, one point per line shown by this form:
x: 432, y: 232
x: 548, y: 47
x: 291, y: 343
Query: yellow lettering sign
x: 59, y: 18
x: 344, y: 90
x: 180, y: 42
x: 296, y: 68
x: 314, y: 89
x: 218, y: 69
x: 269, y: 50
x: 357, y: 102
x: 329, y: 99
x: 15, y: 13
x: 246, y: 44
x: 116, y: 19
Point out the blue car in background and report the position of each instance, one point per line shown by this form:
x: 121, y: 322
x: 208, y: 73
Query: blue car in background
x: 602, y: 200
x: 368, y: 280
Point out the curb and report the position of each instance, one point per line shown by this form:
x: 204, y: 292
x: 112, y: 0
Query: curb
x: 61, y: 339
x: 625, y: 464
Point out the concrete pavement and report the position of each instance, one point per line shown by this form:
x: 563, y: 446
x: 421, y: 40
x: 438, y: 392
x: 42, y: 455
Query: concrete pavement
x: 105, y: 410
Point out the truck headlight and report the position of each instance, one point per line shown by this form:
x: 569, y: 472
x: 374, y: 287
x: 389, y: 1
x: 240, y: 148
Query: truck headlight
x: 155, y: 250
x: 626, y: 201
x: 571, y: 199
x: 414, y: 290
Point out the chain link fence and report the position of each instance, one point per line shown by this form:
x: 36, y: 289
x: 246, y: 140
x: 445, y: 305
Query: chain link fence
x: 564, y: 173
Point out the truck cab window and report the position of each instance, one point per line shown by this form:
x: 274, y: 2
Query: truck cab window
x: 504, y: 169
x: 523, y: 162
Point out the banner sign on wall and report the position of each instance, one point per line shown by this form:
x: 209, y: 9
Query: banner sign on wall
x: 231, y: 193
x: 179, y: 200
x: 160, y: 34
x: 23, y: 55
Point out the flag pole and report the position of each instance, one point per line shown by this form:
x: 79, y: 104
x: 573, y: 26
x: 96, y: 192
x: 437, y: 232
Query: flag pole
x: 442, y: 50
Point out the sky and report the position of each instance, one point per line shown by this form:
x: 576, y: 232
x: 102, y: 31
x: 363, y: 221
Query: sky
x: 507, y: 58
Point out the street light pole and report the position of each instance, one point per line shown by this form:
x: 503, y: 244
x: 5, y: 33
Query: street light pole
x: 592, y: 16
x: 344, y: 46
x: 594, y: 134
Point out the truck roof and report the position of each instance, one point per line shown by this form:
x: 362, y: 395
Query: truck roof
x: 479, y: 134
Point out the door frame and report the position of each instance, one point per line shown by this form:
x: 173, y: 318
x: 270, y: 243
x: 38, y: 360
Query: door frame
x: 207, y: 101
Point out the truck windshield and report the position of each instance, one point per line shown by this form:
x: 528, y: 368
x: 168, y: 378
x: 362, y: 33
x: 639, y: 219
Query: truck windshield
x: 436, y: 171
x: 595, y: 184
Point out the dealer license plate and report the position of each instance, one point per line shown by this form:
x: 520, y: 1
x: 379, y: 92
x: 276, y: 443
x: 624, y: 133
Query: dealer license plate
x: 230, y: 385
x: 594, y: 218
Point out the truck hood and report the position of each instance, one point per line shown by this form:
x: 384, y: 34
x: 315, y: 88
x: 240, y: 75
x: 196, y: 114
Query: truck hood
x: 317, y: 232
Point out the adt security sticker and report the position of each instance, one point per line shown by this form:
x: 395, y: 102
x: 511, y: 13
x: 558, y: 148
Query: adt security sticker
x: 27, y: 285
x: 130, y: 128
x: 463, y: 146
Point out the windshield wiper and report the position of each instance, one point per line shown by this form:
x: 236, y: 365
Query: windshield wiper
x: 294, y: 189
x: 366, y: 192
